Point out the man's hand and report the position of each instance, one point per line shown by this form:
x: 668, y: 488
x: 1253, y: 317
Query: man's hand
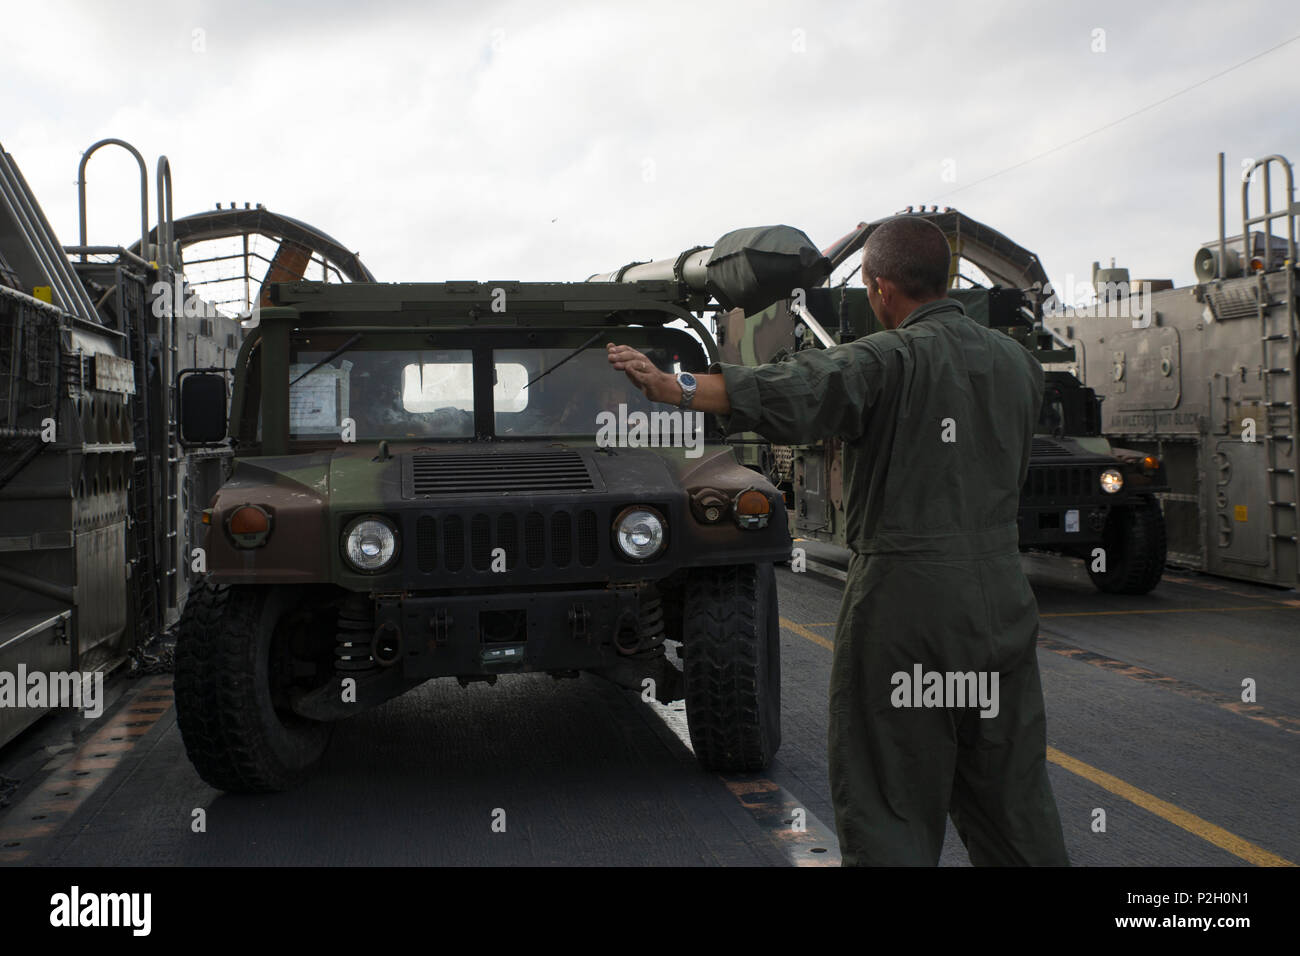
x: 710, y: 392
x: 656, y: 385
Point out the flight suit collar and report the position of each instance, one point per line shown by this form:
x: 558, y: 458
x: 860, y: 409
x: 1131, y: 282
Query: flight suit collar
x: 930, y: 308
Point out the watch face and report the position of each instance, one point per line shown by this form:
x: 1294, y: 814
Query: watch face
x: 686, y: 379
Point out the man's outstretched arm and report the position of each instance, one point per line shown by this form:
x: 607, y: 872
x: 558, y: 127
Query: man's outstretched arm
x: 817, y: 393
x: 710, y: 392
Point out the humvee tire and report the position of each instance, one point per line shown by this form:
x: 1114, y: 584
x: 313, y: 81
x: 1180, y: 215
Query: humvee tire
x: 732, y: 667
x: 235, y: 736
x: 1134, y: 542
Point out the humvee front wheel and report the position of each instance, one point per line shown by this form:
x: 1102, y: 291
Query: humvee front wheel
x: 732, y: 667
x: 1134, y: 544
x: 238, y: 730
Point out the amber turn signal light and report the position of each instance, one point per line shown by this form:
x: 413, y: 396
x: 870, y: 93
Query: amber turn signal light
x: 249, y: 520
x: 752, y: 509
x: 249, y: 526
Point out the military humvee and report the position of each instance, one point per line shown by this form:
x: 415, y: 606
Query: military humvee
x: 448, y: 480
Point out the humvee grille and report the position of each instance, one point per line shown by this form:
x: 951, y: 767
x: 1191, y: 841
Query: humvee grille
x: 524, y: 472
x: 1069, y: 482
x: 445, y: 536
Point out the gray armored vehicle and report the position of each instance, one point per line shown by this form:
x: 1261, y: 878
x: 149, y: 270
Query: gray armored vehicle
x: 449, y: 480
x: 1203, y: 376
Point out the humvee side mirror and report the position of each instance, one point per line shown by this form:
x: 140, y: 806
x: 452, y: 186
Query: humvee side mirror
x: 202, y: 407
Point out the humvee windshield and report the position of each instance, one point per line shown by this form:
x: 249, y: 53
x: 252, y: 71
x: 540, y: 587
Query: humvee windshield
x: 429, y: 393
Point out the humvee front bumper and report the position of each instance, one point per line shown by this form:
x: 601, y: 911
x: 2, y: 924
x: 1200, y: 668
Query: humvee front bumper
x: 478, y: 634
x: 616, y: 631
x: 1062, y: 526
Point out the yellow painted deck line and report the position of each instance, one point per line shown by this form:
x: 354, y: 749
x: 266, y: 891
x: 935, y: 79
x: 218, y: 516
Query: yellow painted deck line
x: 1162, y: 808
x: 1176, y: 610
x: 1165, y: 810
x: 802, y: 631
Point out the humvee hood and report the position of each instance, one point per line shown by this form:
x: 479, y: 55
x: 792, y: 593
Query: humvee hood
x: 289, y: 476
x: 352, y: 479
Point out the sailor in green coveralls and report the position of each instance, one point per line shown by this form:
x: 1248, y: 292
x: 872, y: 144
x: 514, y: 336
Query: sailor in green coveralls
x: 936, y: 414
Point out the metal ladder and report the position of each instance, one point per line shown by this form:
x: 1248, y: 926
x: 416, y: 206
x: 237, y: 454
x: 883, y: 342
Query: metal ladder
x: 142, y: 502
x: 170, y: 271
x: 145, y: 510
x: 1277, y: 323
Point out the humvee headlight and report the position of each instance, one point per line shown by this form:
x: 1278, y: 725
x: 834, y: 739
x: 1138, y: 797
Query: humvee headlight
x: 370, y: 544
x: 1111, y: 481
x: 639, y: 532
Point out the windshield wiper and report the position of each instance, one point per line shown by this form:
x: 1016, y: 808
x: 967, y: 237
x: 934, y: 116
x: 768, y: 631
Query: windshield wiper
x: 567, y: 357
x: 329, y: 358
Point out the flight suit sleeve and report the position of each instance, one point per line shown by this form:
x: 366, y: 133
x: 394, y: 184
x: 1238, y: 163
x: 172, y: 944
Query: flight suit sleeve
x: 818, y: 393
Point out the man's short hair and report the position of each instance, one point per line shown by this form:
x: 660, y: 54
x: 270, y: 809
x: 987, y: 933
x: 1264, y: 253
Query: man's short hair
x: 910, y: 252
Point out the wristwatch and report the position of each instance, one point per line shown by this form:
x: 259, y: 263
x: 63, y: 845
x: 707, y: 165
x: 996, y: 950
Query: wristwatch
x: 687, y: 381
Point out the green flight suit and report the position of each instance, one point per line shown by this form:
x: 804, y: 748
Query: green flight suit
x: 936, y: 418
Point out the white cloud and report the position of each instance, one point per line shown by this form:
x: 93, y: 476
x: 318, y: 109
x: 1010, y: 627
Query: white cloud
x: 501, y: 140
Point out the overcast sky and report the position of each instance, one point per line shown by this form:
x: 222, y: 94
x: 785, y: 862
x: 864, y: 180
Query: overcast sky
x: 502, y: 140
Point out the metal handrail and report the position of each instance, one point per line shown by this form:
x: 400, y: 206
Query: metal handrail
x: 144, y: 191
x: 1289, y: 213
x: 166, y: 222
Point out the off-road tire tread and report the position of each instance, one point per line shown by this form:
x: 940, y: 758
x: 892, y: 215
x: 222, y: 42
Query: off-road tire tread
x: 1143, y: 559
x: 728, y: 710
x: 216, y: 700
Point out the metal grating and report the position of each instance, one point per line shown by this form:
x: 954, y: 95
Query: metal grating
x: 508, y: 539
x: 535, y: 540
x: 480, y: 542
x: 588, y: 543
x: 535, y: 472
x: 1233, y: 302
x: 453, y: 543
x: 561, y: 540
x: 426, y: 543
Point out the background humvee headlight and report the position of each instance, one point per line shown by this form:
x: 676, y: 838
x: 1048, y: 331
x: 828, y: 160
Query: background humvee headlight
x: 369, y: 544
x: 639, y: 532
x: 1111, y: 481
